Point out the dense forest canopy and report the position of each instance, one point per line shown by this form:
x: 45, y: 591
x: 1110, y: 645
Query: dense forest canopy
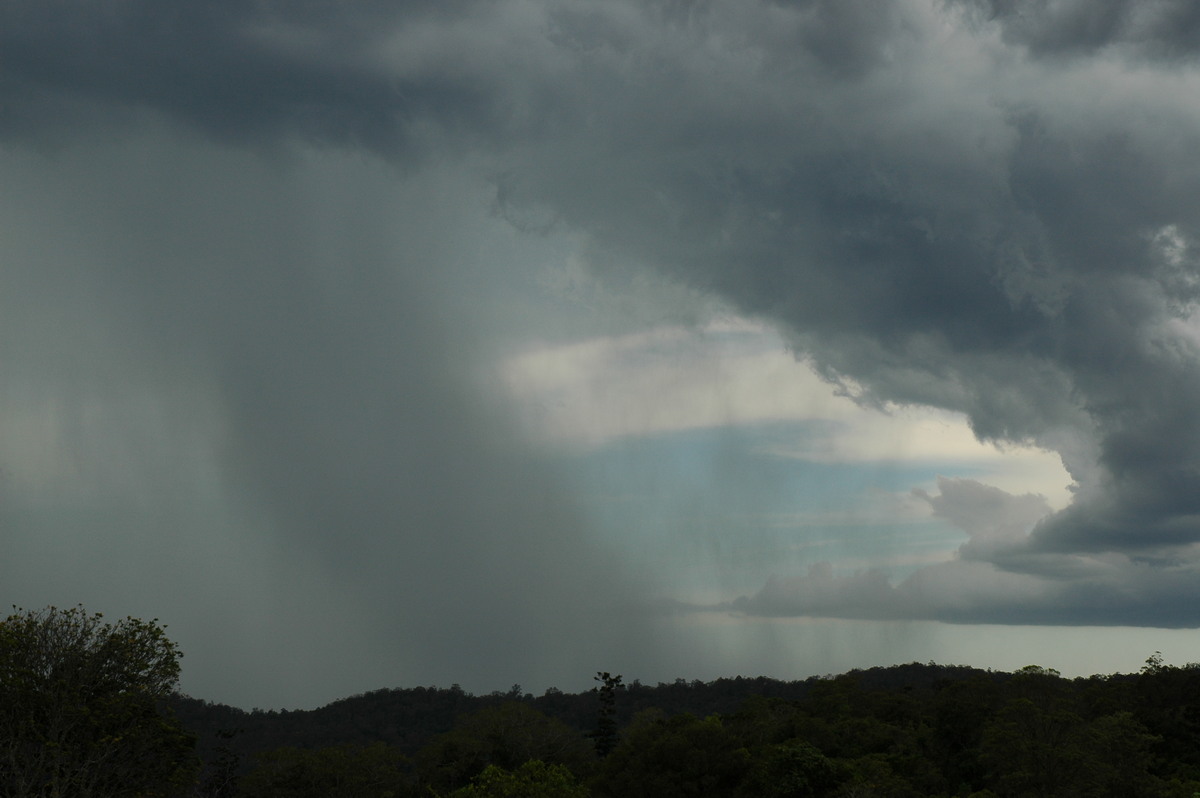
x: 907, y: 730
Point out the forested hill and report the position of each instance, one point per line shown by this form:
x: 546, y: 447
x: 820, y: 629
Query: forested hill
x: 909, y: 731
x: 408, y: 718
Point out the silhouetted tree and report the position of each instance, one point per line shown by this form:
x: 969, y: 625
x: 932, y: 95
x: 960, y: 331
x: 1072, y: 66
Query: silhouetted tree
x: 81, y: 708
x: 605, y: 733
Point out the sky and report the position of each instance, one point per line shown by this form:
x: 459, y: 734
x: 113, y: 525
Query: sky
x: 427, y: 343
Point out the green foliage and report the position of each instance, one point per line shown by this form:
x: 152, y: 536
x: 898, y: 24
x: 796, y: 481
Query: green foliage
x: 873, y: 775
x: 80, y: 707
x: 677, y: 756
x: 534, y: 779
x: 1048, y: 750
x: 1119, y: 749
x: 1035, y: 749
x: 794, y: 769
x: 343, y: 771
x: 506, y: 736
x: 959, y: 712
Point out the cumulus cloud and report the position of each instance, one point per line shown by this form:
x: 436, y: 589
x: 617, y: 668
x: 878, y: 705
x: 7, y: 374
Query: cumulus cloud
x: 991, y: 517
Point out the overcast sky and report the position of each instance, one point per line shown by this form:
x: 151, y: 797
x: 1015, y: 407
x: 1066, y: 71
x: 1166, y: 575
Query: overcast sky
x: 391, y: 344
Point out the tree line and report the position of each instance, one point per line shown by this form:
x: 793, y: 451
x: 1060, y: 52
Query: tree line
x: 89, y: 708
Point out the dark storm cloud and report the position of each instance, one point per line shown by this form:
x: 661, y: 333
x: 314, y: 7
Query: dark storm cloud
x: 1155, y: 29
x: 953, y: 226
x: 239, y: 71
x: 935, y: 212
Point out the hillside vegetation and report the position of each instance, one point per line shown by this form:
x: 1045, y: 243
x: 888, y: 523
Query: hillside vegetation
x: 909, y: 730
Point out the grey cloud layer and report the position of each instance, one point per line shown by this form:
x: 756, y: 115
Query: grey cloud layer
x: 994, y: 578
x: 1158, y: 29
x: 988, y: 207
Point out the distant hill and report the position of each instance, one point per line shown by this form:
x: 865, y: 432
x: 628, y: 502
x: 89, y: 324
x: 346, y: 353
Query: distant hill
x: 409, y: 718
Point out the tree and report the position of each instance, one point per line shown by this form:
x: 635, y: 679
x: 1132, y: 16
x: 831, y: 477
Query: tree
x: 221, y: 774
x: 534, y: 779
x: 681, y: 756
x: 793, y: 769
x: 507, y: 736
x: 81, y: 708
x: 605, y: 734
x: 1036, y: 750
x: 341, y: 771
x: 1120, y: 748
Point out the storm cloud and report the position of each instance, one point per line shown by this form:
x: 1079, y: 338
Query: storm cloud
x: 985, y: 207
